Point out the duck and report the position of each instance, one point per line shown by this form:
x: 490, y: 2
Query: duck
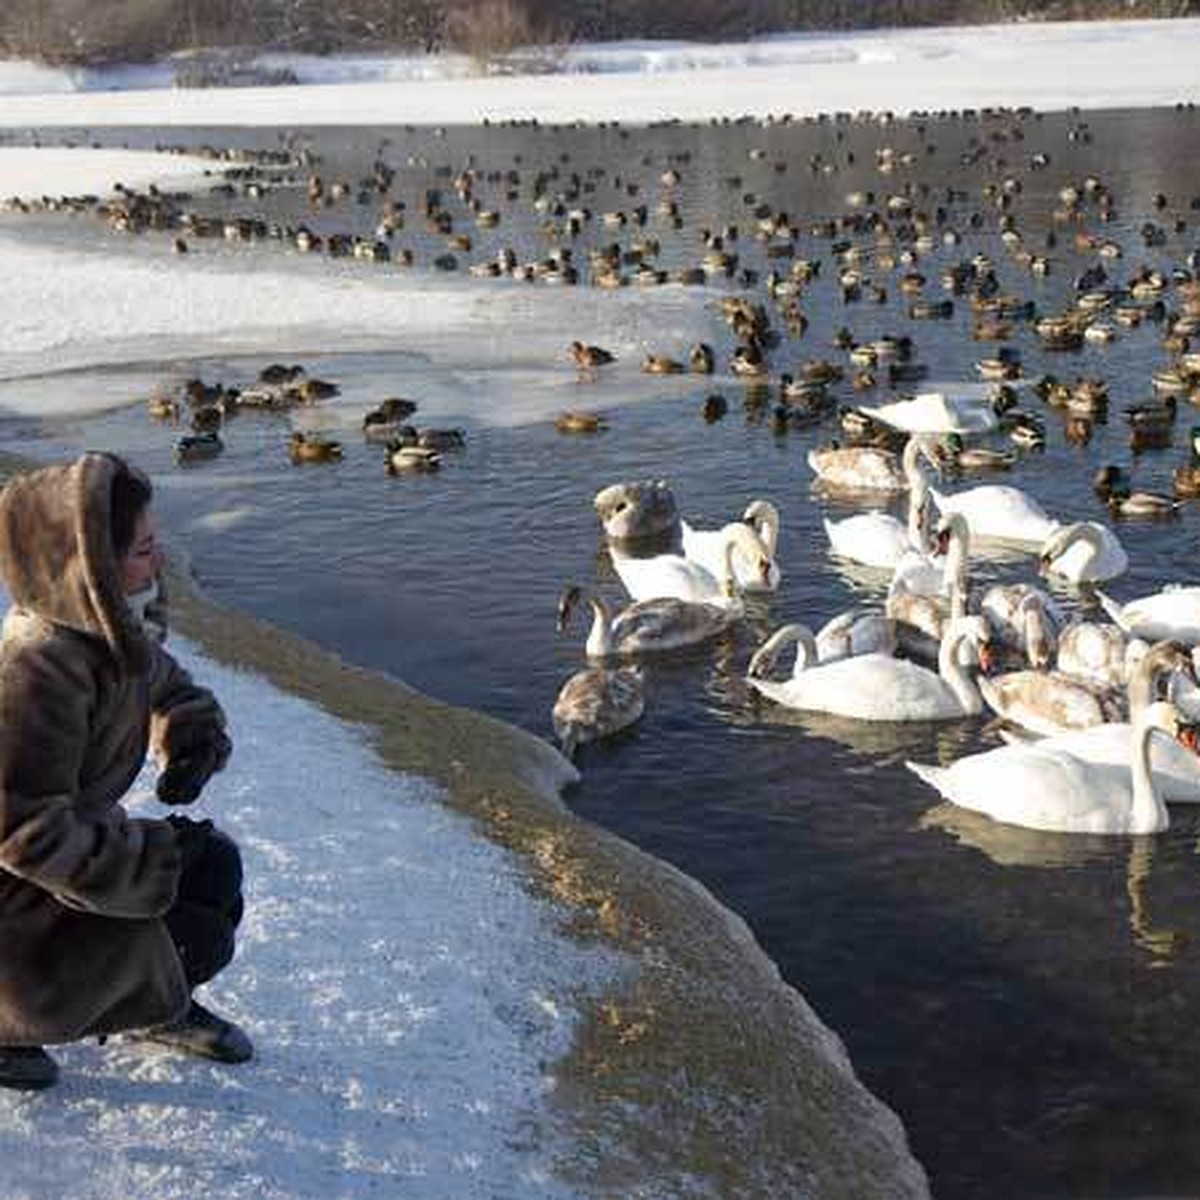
x: 1041, y: 785
x: 879, y: 539
x: 1084, y: 552
x: 163, y: 408
x: 646, y: 626
x: 660, y: 364
x: 706, y: 547
x: 595, y: 703
x: 312, y: 447
x: 858, y: 468
x: 873, y: 686
x: 404, y: 457
x: 954, y: 452
x: 383, y: 422
x: 677, y: 576
x: 702, y: 361
x: 999, y: 513
x: 441, y: 439
x: 1173, y: 612
x: 589, y: 357
x: 1112, y: 485
x: 580, y: 421
x: 198, y: 447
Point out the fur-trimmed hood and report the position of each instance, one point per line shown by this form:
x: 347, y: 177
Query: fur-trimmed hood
x: 56, y: 553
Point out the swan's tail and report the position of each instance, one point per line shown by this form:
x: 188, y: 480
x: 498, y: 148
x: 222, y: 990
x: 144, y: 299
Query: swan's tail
x: 1114, y: 610
x: 928, y: 774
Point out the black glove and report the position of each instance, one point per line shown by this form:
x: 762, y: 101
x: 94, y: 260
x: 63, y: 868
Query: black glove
x: 191, y: 837
x: 184, y: 777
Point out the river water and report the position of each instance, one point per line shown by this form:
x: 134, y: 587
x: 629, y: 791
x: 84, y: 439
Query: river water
x: 1025, y: 1002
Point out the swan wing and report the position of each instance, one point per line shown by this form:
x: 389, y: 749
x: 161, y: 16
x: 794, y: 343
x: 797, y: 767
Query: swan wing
x: 669, y: 575
x: 873, y: 539
x: 855, y: 632
x: 1045, y: 702
x: 998, y: 512
x: 1038, y: 787
x: 1175, y: 768
x: 868, y: 687
x: 858, y: 468
x: 668, y: 623
x: 1173, y: 613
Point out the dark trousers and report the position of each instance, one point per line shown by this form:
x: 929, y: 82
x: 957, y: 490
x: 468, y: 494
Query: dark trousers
x: 208, y: 906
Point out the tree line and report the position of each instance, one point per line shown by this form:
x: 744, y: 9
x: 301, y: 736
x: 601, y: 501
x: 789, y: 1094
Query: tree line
x: 87, y: 32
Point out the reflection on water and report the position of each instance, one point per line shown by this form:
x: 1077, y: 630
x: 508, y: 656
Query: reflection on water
x: 993, y: 985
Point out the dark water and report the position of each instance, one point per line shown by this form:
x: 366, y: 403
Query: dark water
x: 1025, y: 1002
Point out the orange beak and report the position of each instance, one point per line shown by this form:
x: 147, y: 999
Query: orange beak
x: 1189, y: 736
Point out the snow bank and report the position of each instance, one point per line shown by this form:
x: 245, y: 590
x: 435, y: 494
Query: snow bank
x: 405, y: 993
x: 1050, y: 66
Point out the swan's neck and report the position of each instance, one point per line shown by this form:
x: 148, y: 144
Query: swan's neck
x: 765, y: 522
x: 955, y: 570
x: 1149, y: 813
x: 1088, y: 536
x: 1037, y: 632
x: 955, y: 674
x: 918, y: 508
x: 600, y: 642
x: 806, y: 651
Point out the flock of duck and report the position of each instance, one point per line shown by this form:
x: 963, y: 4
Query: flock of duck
x: 1099, y: 719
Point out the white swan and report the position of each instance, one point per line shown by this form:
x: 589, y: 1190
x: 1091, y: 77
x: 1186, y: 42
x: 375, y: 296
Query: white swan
x: 873, y: 687
x: 595, y: 703
x: 857, y: 468
x: 923, y: 598
x: 707, y: 547
x: 1172, y: 613
x: 1040, y: 786
x: 647, y: 626
x: 935, y: 412
x: 1084, y: 552
x: 997, y: 512
x: 878, y: 539
x: 674, y: 575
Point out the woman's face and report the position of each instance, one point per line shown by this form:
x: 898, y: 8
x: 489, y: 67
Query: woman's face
x: 140, y: 563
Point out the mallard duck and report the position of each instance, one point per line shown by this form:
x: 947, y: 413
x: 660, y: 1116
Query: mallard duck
x: 579, y: 421
x: 198, y: 447
x: 714, y: 408
x: 588, y: 357
x: 277, y: 374
x: 1112, y: 486
x: 702, y: 360
x: 163, y: 408
x: 441, y: 439
x: 660, y: 364
x: 402, y: 458
x: 954, y: 451
x: 207, y: 418
x: 383, y: 422
x: 309, y: 391
x: 312, y: 447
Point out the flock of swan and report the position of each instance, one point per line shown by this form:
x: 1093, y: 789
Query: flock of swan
x: 1098, y: 717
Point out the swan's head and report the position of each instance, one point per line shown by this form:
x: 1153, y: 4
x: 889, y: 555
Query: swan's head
x: 1059, y: 541
x: 950, y: 527
x: 1040, y: 634
x: 567, y: 603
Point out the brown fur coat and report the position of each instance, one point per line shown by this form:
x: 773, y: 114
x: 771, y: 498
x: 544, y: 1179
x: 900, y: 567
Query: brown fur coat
x: 84, y: 692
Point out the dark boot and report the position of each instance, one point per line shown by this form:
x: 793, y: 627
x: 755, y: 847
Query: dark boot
x: 27, y: 1068
x: 203, y: 1033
